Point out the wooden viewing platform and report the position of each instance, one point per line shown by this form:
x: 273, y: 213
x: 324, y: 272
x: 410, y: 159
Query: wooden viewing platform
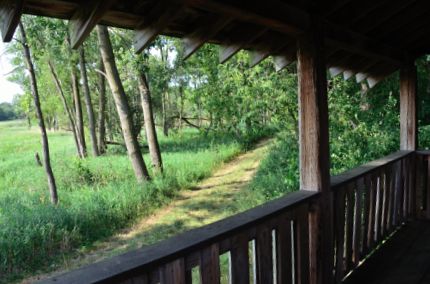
x: 323, y: 232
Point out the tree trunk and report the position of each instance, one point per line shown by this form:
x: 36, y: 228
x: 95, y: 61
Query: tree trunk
x: 78, y: 112
x: 151, y: 133
x: 45, y: 144
x: 65, y: 105
x: 164, y: 116
x: 102, y: 110
x: 122, y: 106
x: 88, y: 103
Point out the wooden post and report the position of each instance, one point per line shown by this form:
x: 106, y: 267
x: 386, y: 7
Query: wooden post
x: 408, y: 126
x: 314, y: 151
x: 408, y: 112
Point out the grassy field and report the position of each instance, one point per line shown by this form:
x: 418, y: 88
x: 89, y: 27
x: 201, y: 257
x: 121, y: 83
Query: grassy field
x: 98, y: 196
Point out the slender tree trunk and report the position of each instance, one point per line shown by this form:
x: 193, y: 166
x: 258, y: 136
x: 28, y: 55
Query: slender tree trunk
x: 151, y: 133
x: 164, y: 116
x: 101, y: 123
x: 78, y: 113
x: 88, y: 103
x: 45, y: 144
x: 65, y: 105
x: 122, y: 106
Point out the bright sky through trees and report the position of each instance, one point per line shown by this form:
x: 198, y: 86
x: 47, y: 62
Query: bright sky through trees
x: 8, y: 89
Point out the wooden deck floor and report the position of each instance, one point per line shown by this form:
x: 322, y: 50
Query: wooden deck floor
x: 405, y: 258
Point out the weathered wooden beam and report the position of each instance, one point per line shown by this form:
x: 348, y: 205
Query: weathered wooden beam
x: 347, y: 74
x: 10, y: 15
x: 281, y: 62
x: 228, y: 51
x: 360, y: 77
x: 257, y: 57
x: 85, y: 18
x: 408, y: 108
x: 334, y: 71
x: 147, y: 32
x: 195, y: 40
x: 314, y: 150
x: 373, y: 81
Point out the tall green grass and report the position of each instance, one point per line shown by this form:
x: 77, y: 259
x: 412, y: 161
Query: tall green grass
x: 98, y: 196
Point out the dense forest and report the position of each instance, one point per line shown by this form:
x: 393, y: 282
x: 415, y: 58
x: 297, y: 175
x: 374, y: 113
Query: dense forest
x: 129, y: 116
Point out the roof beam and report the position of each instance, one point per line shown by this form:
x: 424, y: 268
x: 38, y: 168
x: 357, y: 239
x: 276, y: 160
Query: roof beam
x: 10, y: 15
x: 86, y: 18
x: 195, y: 40
x: 146, y: 33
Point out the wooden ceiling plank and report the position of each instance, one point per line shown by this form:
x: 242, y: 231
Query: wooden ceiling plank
x: 390, y: 11
x: 277, y: 15
x: 86, y: 18
x: 196, y: 39
x: 10, y: 15
x: 145, y: 35
x: 360, y: 44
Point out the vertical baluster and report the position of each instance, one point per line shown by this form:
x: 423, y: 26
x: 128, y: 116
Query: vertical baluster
x: 412, y: 186
x: 284, y: 253
x: 372, y: 212
x: 427, y: 185
x: 367, y: 193
x: 407, y: 189
x: 173, y: 272
x: 379, y: 204
x: 209, y: 265
x: 264, y: 255
x: 349, y: 225
x: 301, y: 238
x: 358, y: 217
x: 398, y: 193
x: 239, y: 265
x: 390, y: 182
x: 340, y: 233
x: 386, y: 200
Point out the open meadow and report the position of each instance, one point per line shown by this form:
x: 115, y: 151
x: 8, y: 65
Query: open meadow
x: 98, y: 196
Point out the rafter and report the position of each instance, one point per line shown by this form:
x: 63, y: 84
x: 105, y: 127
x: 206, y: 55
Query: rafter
x: 10, y: 15
x: 227, y: 51
x: 334, y: 71
x: 282, y: 61
x: 195, y: 40
x: 147, y: 32
x: 86, y: 18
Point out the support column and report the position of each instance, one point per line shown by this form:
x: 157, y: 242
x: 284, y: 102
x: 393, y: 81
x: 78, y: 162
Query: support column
x: 408, y: 108
x: 408, y: 130
x: 314, y: 151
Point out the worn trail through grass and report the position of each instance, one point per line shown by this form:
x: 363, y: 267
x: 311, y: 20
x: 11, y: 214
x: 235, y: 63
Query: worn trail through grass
x: 210, y: 200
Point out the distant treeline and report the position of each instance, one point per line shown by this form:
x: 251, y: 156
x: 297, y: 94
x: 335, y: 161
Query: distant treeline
x: 7, y: 112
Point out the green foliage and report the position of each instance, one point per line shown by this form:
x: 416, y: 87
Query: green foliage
x: 98, y: 196
x: 7, y: 112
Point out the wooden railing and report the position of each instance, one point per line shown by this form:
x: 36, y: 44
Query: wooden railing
x: 370, y: 202
x: 265, y: 243
x: 270, y: 243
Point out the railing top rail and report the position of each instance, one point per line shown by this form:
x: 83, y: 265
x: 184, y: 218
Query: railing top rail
x: 423, y: 152
x: 356, y: 173
x: 131, y: 263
